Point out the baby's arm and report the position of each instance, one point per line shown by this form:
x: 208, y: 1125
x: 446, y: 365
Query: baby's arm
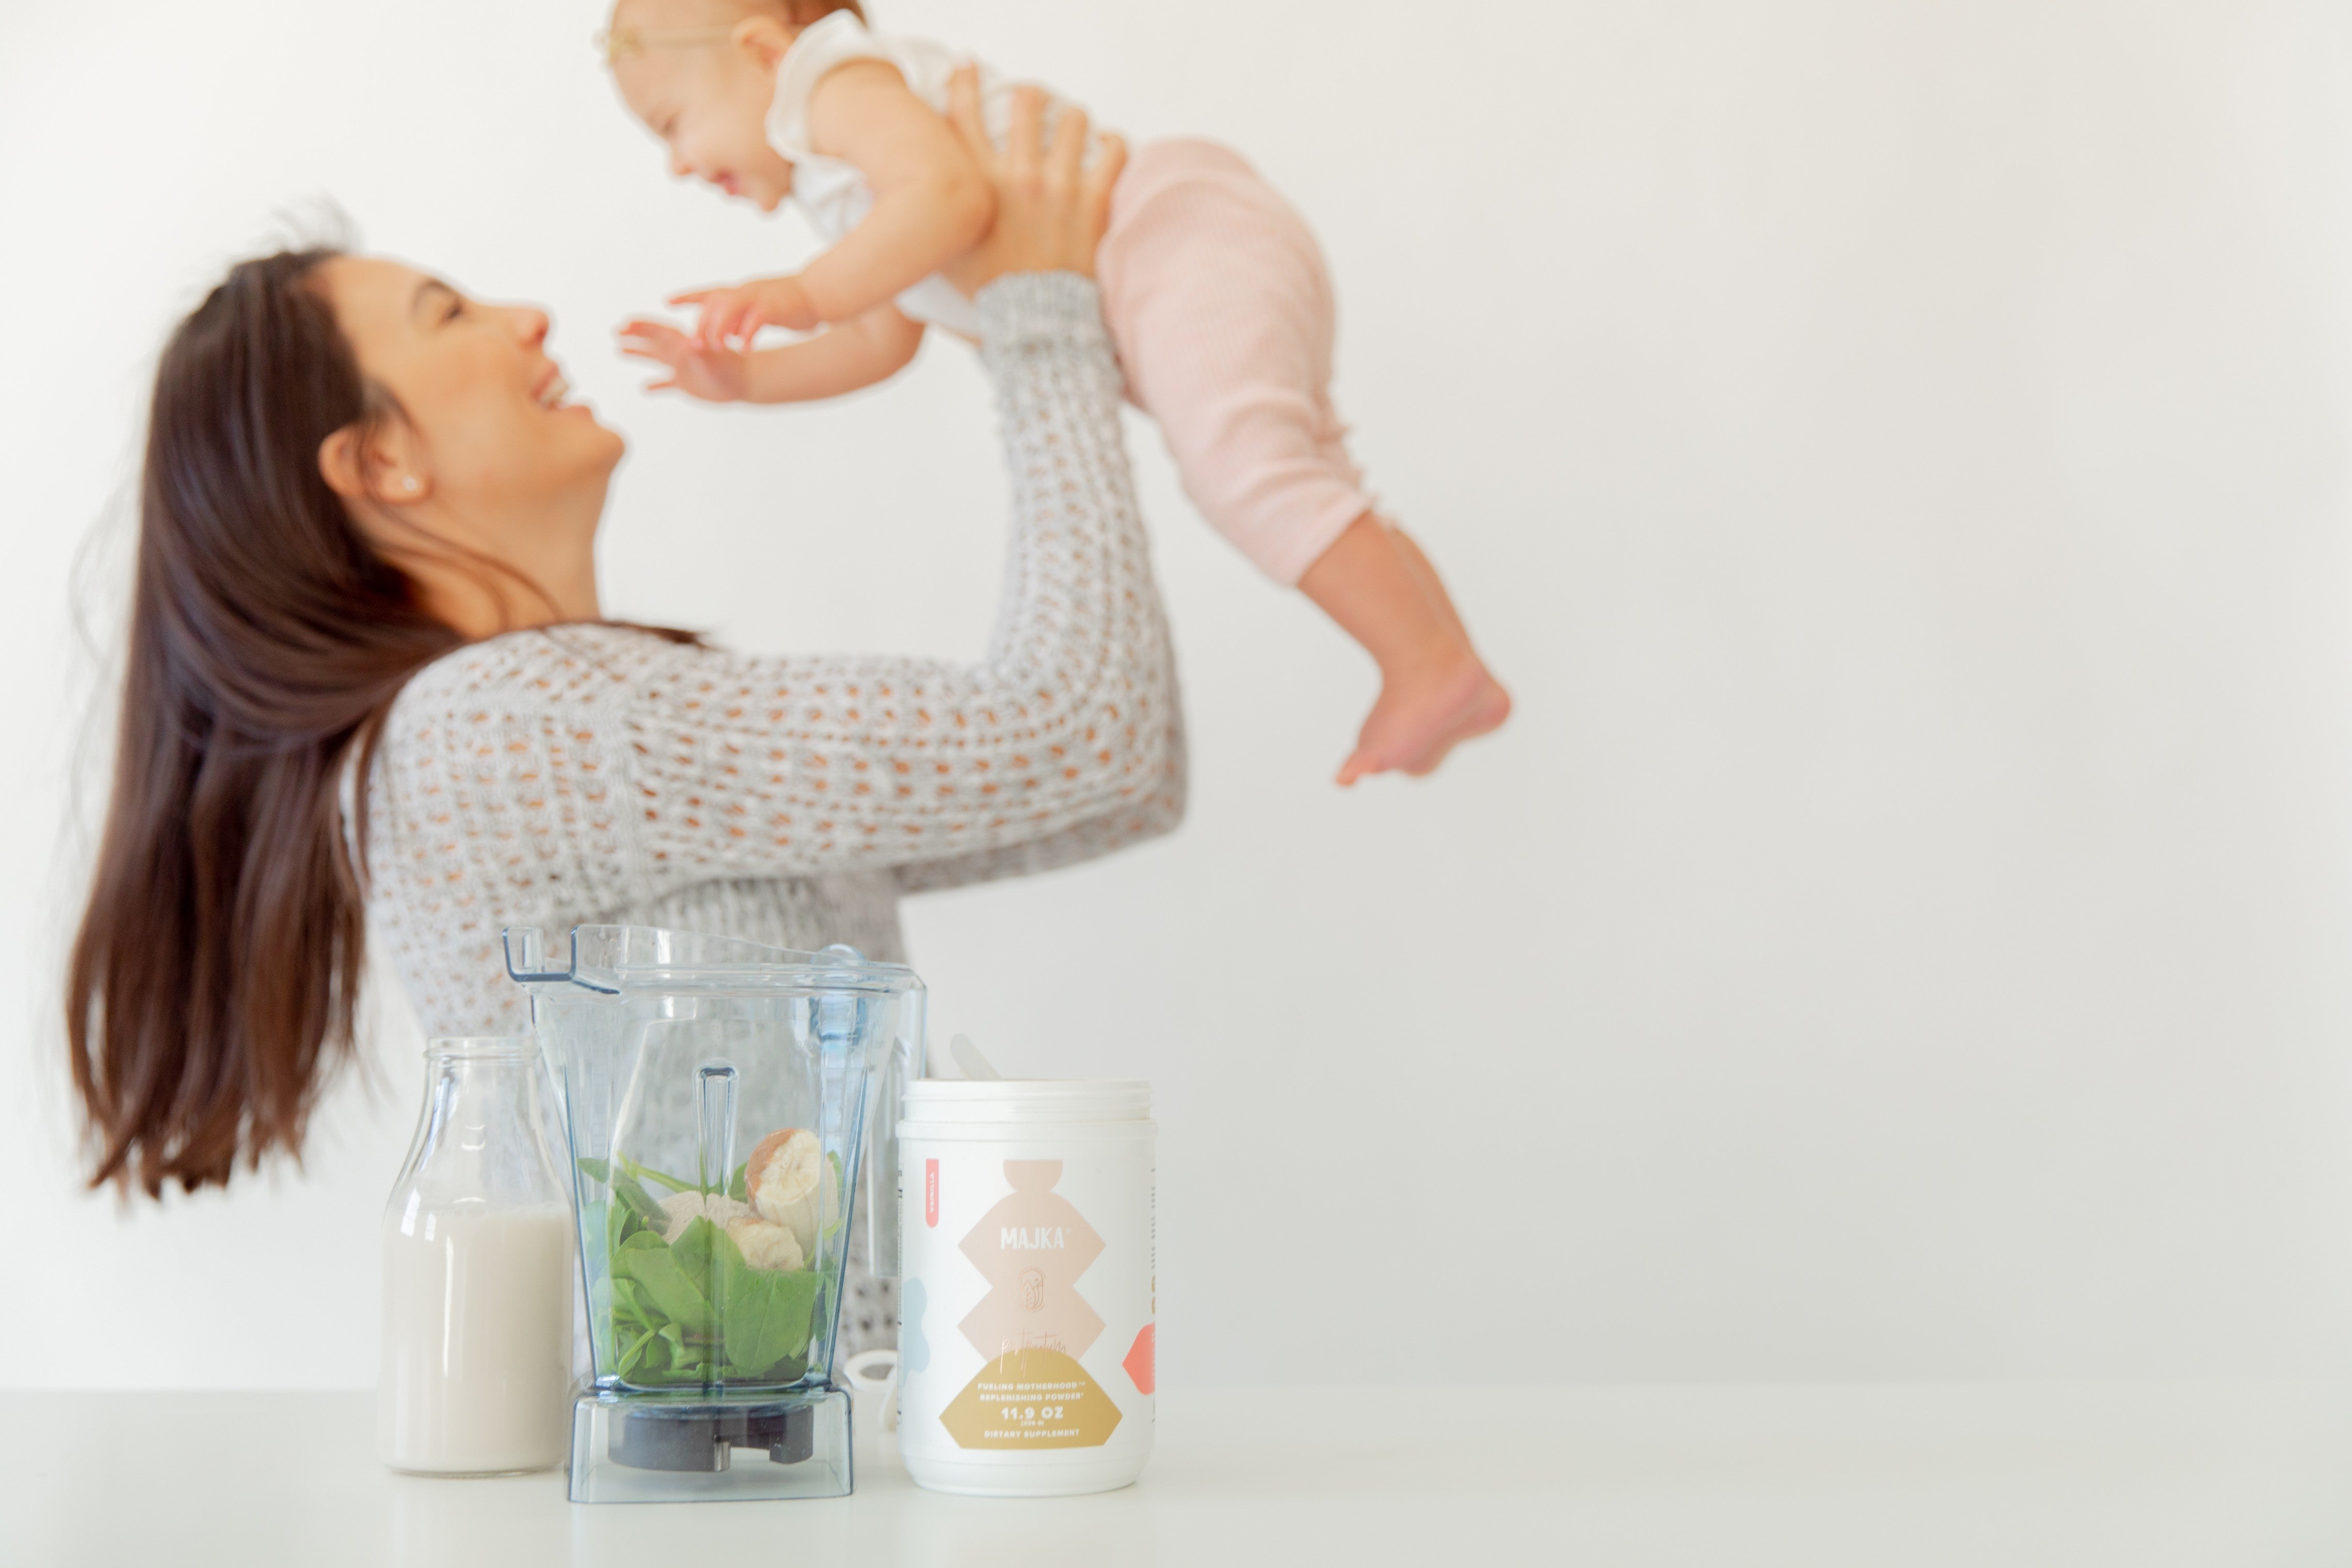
x: 841, y: 359
x: 931, y: 202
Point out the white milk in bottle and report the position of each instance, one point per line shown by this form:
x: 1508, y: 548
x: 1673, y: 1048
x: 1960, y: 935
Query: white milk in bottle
x: 476, y: 1373
x: 476, y: 1370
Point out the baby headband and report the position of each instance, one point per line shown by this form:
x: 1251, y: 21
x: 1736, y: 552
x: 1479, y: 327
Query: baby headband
x: 618, y: 43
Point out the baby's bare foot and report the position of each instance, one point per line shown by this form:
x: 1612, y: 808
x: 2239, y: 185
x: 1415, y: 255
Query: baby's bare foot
x: 1423, y: 713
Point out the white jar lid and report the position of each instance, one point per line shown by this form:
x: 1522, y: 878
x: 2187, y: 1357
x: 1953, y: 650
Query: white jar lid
x: 1010, y: 1100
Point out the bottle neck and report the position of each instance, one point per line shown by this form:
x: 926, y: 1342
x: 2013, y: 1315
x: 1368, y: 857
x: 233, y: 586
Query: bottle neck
x: 485, y: 1136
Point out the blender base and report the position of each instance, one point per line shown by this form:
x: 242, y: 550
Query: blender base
x: 655, y: 1447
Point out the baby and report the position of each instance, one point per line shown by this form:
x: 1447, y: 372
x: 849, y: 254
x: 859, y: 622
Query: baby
x: 1215, y: 292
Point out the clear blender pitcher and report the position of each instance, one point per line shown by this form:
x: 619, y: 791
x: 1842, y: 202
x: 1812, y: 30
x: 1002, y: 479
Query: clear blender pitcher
x: 724, y: 1102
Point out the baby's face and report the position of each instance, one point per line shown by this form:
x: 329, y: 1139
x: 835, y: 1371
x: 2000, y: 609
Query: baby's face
x: 709, y: 103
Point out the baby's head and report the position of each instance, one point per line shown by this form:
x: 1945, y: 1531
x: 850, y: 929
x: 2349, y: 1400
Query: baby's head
x: 701, y: 73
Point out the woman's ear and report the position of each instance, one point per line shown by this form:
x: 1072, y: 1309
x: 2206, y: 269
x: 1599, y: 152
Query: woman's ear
x: 764, y: 39
x: 359, y: 467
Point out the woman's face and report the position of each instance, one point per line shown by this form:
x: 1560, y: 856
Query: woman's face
x: 488, y: 427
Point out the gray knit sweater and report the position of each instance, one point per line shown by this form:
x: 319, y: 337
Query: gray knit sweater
x: 588, y: 774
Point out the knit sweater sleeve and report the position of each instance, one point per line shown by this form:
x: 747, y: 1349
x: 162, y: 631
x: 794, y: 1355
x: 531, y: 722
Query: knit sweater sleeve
x: 601, y: 764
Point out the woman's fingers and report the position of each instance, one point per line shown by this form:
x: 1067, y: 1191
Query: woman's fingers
x: 1110, y: 160
x: 1069, y: 151
x: 1024, y: 138
x: 693, y: 296
x: 964, y: 113
x: 1053, y: 203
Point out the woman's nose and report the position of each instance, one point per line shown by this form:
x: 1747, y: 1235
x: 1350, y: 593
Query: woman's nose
x: 531, y: 324
x: 679, y: 168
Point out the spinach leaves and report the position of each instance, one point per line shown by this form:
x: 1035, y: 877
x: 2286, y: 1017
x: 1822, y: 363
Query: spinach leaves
x: 691, y: 1312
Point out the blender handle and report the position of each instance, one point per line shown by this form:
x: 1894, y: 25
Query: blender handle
x: 882, y: 1156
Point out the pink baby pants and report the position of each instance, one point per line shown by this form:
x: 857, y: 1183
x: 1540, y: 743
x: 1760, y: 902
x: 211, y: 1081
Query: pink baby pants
x: 1217, y: 296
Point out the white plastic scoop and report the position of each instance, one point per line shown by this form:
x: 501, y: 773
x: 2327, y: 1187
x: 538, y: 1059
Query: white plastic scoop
x: 969, y: 1060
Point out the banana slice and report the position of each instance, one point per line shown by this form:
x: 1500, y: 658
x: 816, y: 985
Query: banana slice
x: 685, y: 1209
x: 765, y: 1244
x: 785, y: 1172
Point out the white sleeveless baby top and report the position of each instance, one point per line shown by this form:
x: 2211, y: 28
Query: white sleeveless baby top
x: 833, y: 194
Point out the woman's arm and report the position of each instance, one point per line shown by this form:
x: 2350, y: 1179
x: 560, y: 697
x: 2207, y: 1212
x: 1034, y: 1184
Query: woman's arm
x: 603, y: 758
x: 1064, y: 739
x: 624, y: 766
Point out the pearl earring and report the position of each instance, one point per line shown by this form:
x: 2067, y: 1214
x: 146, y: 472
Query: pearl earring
x: 409, y: 484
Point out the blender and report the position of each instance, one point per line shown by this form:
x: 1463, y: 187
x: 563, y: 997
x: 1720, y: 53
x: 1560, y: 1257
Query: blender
x: 723, y: 1101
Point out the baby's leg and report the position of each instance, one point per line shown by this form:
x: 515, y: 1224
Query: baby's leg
x: 1427, y: 575
x: 1434, y: 691
x: 1218, y: 298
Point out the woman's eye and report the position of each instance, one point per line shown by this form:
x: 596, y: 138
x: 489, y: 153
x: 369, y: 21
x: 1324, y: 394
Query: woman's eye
x: 457, y: 309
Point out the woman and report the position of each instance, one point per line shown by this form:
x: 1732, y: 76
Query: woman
x: 370, y: 694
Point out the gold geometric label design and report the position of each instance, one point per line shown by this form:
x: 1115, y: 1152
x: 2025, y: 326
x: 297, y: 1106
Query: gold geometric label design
x: 1031, y: 1249
x: 1031, y: 1399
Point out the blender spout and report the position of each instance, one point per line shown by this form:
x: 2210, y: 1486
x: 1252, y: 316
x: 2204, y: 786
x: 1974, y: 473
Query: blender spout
x: 526, y: 955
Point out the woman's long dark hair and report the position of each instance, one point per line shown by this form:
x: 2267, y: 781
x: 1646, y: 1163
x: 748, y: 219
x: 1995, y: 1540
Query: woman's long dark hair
x: 217, y: 966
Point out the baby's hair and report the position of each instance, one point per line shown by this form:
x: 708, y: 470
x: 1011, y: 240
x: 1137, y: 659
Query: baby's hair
x: 619, y: 42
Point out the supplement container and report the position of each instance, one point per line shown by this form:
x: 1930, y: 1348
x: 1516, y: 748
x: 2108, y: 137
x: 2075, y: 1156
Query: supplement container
x: 1026, y: 1299
x: 476, y: 1374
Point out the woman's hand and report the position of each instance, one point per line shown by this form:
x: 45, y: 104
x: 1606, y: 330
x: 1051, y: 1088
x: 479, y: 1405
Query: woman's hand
x: 1052, y: 205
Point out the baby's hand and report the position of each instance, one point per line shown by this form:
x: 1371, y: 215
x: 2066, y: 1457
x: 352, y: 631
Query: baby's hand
x: 734, y: 316
x: 714, y: 376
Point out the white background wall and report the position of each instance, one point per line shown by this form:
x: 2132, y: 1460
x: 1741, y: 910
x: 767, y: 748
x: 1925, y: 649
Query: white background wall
x: 1898, y: 453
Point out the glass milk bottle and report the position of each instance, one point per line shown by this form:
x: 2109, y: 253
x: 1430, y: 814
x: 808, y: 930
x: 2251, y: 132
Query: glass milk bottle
x: 477, y: 1267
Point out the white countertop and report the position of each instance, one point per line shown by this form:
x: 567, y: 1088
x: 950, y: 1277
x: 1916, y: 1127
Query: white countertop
x: 1888, y: 1476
